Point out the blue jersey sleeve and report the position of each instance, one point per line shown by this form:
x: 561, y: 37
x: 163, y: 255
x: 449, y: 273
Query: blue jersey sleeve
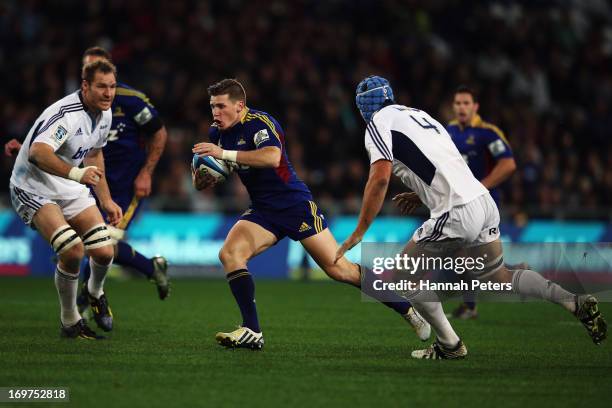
x: 139, y: 108
x: 266, y: 133
x: 496, y: 143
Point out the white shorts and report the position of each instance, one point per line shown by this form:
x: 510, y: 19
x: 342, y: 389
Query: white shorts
x: 471, y: 224
x: 27, y: 204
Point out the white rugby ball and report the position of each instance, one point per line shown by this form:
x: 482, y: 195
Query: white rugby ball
x: 215, y: 167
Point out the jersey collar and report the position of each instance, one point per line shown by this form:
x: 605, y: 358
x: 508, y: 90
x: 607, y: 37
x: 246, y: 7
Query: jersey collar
x: 85, y: 108
x: 476, y: 121
x: 243, y: 115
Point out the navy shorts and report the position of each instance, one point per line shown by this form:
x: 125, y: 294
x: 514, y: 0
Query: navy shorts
x: 298, y: 222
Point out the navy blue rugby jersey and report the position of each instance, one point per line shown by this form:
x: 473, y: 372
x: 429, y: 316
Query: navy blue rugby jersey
x: 134, y: 120
x: 269, y: 188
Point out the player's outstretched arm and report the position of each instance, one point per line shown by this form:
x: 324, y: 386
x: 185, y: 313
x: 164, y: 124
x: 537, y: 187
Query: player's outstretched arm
x: 43, y: 156
x: 269, y: 156
x: 112, y: 210
x: 373, y: 198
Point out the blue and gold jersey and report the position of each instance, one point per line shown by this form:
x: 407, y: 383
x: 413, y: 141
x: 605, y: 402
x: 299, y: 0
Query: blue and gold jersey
x: 269, y: 188
x: 134, y: 119
x: 481, y: 144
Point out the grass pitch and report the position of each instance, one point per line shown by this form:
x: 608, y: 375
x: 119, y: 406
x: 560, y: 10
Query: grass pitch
x: 324, y: 347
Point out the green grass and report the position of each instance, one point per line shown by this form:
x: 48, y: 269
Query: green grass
x: 324, y: 347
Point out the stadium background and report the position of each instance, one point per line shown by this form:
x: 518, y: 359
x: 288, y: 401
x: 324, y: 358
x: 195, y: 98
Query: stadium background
x: 541, y: 70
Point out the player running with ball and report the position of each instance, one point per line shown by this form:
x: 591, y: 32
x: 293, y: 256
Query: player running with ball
x: 464, y: 218
x: 282, y: 205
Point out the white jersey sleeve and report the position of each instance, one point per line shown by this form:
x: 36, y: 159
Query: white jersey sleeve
x: 378, y: 141
x: 55, y: 132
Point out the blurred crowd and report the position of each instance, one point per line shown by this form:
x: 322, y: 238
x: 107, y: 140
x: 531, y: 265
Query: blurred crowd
x: 542, y: 70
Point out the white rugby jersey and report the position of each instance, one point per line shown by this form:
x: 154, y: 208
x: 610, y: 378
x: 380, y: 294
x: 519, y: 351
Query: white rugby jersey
x: 424, y: 157
x: 68, y: 128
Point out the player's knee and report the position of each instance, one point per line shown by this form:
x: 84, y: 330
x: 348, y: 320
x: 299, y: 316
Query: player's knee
x: 339, y: 273
x: 231, y: 255
x: 71, y: 257
x: 98, y: 242
x: 503, y: 275
x: 103, y: 255
x: 67, y: 245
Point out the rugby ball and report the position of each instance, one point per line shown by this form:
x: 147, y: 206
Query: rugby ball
x: 215, y: 167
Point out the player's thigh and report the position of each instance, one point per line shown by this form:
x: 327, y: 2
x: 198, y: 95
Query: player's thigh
x: 245, y: 240
x: 50, y: 222
x: 48, y: 219
x: 322, y: 247
x: 91, y: 227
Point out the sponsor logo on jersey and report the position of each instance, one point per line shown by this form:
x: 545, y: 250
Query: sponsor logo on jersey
x: 261, y: 137
x: 78, y: 132
x: 241, y: 141
x: 60, y: 133
x: 143, y: 116
x: 470, y: 140
x: 80, y: 153
x: 103, y: 127
x: 497, y: 147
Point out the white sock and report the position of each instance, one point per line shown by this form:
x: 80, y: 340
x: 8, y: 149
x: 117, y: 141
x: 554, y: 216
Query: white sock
x: 434, y: 314
x: 530, y: 283
x: 95, y: 284
x: 428, y: 305
x: 67, y: 285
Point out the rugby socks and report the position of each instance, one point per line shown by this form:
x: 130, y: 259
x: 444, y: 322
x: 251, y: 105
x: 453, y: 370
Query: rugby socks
x: 128, y: 256
x: 243, y: 288
x: 67, y: 285
x: 95, y: 283
x: 530, y: 283
x: 434, y: 314
x: 388, y: 298
x: 429, y: 307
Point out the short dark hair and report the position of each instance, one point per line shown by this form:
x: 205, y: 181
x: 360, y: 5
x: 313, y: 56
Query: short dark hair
x: 89, y: 70
x: 466, y: 89
x: 97, y: 52
x: 231, y: 87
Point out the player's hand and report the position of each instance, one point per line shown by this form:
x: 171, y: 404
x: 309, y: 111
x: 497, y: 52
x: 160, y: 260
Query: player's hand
x: 407, y: 202
x: 201, y: 180
x: 208, y: 149
x: 113, y: 212
x: 347, y: 245
x: 12, y: 147
x: 92, y: 176
x: 142, y: 184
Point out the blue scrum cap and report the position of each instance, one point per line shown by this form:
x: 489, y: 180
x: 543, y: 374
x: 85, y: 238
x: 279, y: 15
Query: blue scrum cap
x: 371, y: 95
